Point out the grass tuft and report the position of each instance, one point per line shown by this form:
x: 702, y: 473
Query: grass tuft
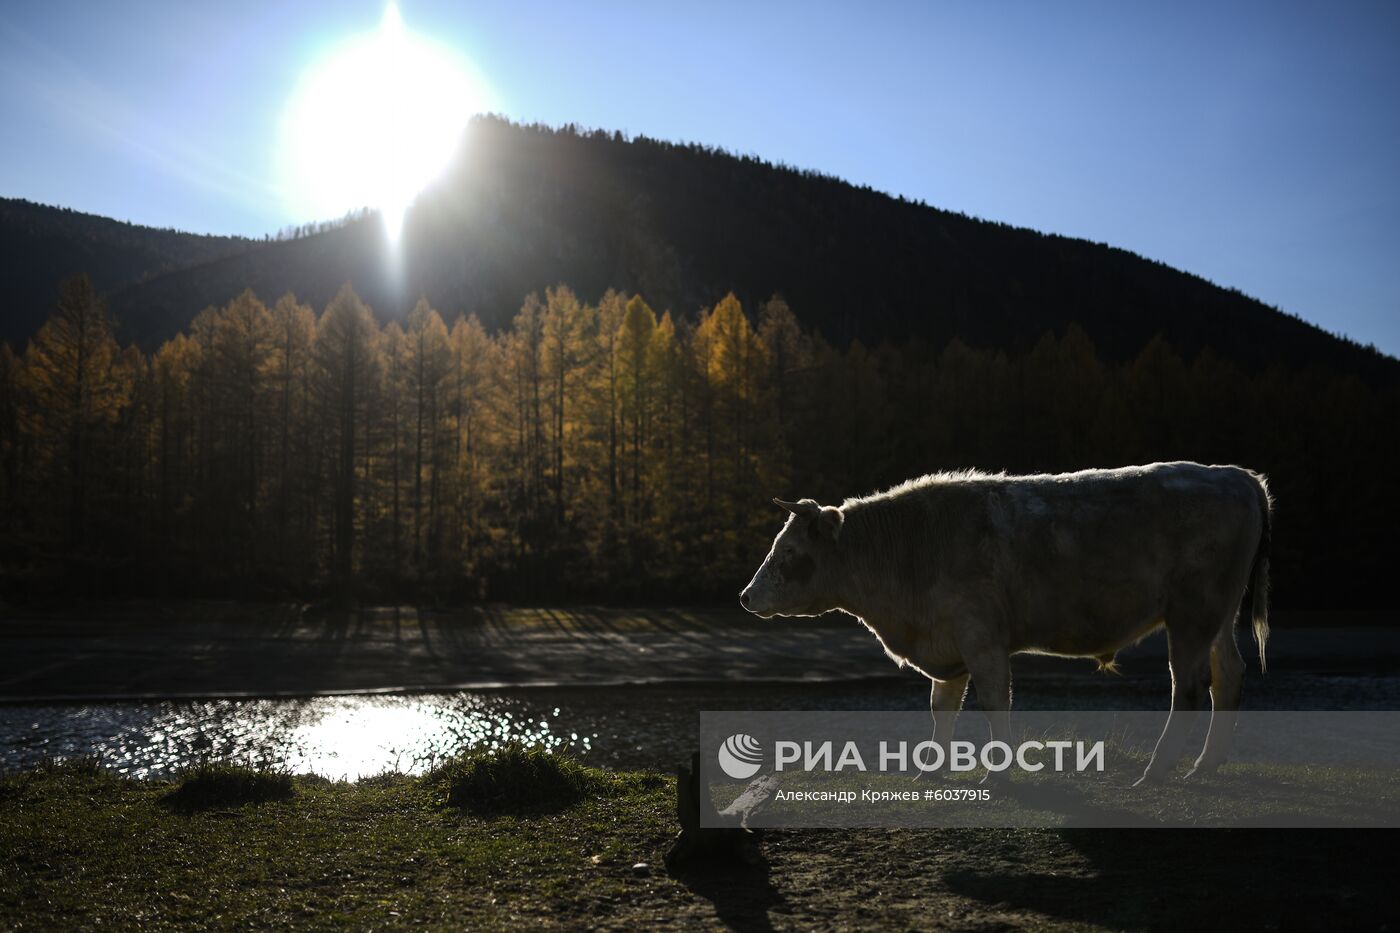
x: 212, y: 784
x: 513, y: 779
x: 388, y: 778
x: 82, y: 766
x: 84, y: 770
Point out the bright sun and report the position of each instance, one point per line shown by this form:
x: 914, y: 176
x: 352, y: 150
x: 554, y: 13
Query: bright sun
x: 373, y: 122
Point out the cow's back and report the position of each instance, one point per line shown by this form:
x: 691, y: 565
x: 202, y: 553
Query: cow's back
x: 1093, y: 561
x: 1080, y: 563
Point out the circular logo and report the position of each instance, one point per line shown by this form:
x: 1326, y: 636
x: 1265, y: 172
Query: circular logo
x: 740, y: 756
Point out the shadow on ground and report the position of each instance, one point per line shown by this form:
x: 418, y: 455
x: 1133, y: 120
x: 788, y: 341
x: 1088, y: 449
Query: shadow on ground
x: 743, y: 894
x: 1162, y: 879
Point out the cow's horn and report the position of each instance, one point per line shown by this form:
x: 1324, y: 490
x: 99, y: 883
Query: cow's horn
x: 790, y: 506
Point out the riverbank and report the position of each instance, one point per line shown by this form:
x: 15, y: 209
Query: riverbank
x: 161, y: 650
x: 83, y: 849
x: 157, y: 650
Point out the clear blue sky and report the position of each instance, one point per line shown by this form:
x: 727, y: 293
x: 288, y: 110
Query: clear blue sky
x: 1257, y: 145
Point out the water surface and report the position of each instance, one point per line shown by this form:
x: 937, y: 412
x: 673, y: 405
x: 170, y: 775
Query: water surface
x: 619, y: 727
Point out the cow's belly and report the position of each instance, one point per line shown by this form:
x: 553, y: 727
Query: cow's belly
x: 1101, y: 642
x: 1092, y: 620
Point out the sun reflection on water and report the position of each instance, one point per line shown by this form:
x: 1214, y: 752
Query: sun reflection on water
x: 350, y: 738
x: 339, y: 737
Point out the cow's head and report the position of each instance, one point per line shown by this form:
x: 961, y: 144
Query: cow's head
x: 798, y: 577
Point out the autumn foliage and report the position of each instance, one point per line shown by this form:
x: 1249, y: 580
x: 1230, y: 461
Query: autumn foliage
x: 595, y: 450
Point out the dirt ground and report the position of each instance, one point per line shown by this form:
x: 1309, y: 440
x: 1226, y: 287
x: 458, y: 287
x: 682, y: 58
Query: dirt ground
x: 203, y: 649
x: 83, y: 850
x: 1166, y: 880
x: 155, y: 650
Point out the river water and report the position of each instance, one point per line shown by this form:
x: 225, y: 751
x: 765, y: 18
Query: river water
x: 349, y: 737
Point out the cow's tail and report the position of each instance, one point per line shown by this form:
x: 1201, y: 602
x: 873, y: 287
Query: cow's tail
x: 1257, y: 594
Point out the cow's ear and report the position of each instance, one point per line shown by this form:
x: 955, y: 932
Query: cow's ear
x: 826, y: 524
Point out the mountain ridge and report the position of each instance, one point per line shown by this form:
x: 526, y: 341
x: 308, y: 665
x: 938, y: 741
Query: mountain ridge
x: 44, y: 243
x: 526, y: 207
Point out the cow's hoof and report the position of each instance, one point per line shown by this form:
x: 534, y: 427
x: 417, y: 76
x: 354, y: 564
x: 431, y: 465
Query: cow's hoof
x: 1202, y: 771
x: 1150, y: 778
x: 995, y: 779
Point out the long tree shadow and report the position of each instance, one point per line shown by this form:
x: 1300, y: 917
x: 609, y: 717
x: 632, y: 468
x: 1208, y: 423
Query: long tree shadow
x: 1159, y: 879
x: 741, y: 891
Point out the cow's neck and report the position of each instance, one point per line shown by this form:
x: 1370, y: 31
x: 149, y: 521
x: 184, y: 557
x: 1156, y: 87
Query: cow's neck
x: 878, y: 584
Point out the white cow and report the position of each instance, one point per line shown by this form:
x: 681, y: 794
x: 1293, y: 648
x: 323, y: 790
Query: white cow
x: 956, y: 572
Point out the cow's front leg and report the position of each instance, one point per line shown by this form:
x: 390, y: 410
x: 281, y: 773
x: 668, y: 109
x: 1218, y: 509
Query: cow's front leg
x: 945, y: 702
x: 991, y: 674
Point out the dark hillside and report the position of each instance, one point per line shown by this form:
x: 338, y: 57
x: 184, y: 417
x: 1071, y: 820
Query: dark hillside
x: 527, y: 207
x: 42, y: 245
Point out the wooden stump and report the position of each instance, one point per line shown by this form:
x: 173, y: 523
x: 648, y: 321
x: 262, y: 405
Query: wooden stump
x: 728, y: 839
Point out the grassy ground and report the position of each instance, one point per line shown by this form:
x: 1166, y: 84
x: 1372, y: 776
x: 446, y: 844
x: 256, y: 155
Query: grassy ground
x: 486, y: 844
x: 1242, y: 795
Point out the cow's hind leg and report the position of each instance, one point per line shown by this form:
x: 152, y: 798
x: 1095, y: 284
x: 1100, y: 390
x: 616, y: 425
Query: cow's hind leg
x: 1226, y: 685
x: 1188, y: 647
x: 991, y: 674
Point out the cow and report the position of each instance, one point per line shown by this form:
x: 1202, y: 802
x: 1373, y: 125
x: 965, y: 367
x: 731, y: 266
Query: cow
x: 955, y: 572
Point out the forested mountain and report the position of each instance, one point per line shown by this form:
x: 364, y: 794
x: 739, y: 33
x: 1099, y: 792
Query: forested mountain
x: 42, y: 245
x: 615, y: 353
x: 525, y: 208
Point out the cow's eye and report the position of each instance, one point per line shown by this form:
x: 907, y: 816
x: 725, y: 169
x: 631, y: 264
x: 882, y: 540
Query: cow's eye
x: 798, y: 569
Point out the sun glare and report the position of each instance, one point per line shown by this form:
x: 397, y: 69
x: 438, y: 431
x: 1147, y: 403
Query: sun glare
x: 373, y: 122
